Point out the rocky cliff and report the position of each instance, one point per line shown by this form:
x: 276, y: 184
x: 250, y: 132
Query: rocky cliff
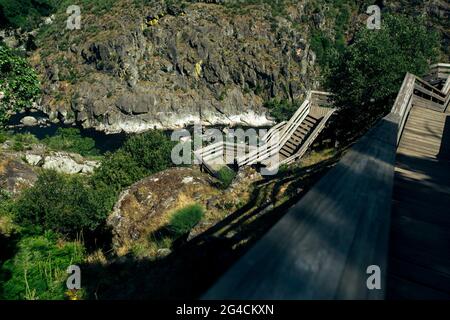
x: 135, y: 67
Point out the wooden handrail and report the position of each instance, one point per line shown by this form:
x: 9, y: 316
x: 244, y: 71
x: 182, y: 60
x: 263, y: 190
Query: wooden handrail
x: 429, y: 88
x: 322, y: 247
x: 273, y: 147
x: 306, y: 144
x: 446, y: 88
x: 440, y: 70
x: 268, y: 136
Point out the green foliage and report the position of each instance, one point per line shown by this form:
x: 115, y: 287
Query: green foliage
x: 328, y: 46
x: 20, y: 141
x: 117, y: 171
x: 226, y: 177
x: 371, y: 70
x: 323, y: 47
x: 38, y: 270
x: 282, y: 110
x: 25, y: 14
x: 185, y: 219
x: 3, y: 137
x: 19, y: 84
x: 65, y: 204
x: 7, y: 225
x: 150, y: 150
x: 70, y: 139
x: 140, y: 156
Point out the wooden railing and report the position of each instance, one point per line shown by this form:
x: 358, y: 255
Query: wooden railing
x: 446, y: 88
x: 320, y: 98
x: 429, y: 96
x: 323, y: 246
x: 312, y: 137
x: 220, y: 150
x: 271, y: 133
x: 440, y: 70
x: 273, y: 147
x: 403, y: 103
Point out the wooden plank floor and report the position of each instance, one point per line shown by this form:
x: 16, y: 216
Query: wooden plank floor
x: 419, y: 253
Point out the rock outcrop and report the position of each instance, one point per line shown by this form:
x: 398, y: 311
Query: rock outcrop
x: 203, y: 63
x: 146, y: 206
x: 15, y: 176
x: 62, y: 162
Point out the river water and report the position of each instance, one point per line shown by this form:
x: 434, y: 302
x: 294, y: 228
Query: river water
x: 103, y: 142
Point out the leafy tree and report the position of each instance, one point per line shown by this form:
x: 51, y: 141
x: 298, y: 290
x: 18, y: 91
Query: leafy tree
x: 64, y: 204
x: 117, y: 171
x: 19, y: 84
x: 150, y: 150
x: 370, y: 72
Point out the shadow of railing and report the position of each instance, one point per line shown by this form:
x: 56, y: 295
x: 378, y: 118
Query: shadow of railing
x: 322, y: 247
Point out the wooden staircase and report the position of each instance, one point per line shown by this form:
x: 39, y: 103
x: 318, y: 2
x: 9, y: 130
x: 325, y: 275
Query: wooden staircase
x: 284, y: 143
x: 298, y: 137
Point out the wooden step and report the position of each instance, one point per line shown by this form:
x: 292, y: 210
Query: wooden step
x: 306, y: 126
x: 301, y: 133
x: 299, y: 136
x: 312, y: 118
x: 292, y: 145
x: 289, y: 149
x: 285, y: 153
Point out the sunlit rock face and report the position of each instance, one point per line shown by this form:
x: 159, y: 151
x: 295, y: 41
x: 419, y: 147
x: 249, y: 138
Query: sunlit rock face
x: 203, y: 64
x: 146, y: 207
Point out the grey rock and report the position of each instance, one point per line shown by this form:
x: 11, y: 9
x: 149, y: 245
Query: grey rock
x: 29, y: 121
x: 138, y: 80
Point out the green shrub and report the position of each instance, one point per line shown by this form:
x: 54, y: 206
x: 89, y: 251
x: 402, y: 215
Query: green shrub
x: 185, y: 219
x: 61, y: 203
x: 25, y: 138
x: 38, y: 270
x: 118, y: 170
x: 282, y: 110
x: 70, y: 140
x: 226, y: 177
x: 3, y: 137
x: 150, y: 150
x: 18, y: 83
x: 20, y: 141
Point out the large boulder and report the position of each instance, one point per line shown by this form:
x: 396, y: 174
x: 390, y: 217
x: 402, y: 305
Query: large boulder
x: 29, y: 121
x: 63, y: 162
x: 147, y: 206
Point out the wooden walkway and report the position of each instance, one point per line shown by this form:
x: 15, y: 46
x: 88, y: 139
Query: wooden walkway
x: 419, y: 255
x: 385, y: 203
